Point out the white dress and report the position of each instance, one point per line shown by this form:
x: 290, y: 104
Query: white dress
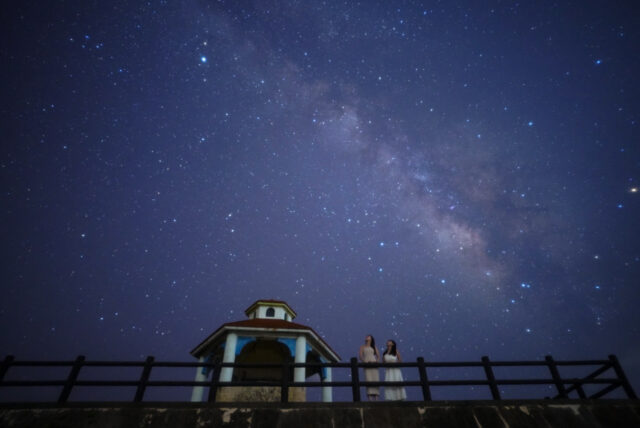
x: 393, y: 393
x: 371, y: 375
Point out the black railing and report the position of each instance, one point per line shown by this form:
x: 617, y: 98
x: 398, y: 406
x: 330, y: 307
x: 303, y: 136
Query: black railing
x: 564, y: 386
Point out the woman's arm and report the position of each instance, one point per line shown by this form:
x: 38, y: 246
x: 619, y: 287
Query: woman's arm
x: 399, y: 357
x: 360, y: 353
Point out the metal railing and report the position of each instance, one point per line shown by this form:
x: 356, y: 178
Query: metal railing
x: 563, y: 386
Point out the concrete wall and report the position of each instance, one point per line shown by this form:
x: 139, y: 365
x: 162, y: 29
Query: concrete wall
x: 488, y: 414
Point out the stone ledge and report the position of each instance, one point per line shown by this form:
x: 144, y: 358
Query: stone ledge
x: 508, y: 413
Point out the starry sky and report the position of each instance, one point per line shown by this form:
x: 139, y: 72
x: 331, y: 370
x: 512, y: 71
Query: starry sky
x: 460, y: 176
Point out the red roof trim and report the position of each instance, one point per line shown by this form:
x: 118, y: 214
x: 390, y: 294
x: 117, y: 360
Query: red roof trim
x: 268, y: 323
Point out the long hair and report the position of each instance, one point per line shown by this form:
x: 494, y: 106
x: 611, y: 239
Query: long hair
x: 373, y: 342
x: 393, y: 349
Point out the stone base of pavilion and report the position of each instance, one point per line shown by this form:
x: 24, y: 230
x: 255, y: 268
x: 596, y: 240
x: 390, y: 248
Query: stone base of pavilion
x: 243, y: 394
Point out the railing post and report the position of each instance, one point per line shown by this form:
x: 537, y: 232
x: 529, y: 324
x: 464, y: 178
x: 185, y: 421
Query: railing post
x: 355, y: 380
x: 8, y: 360
x: 493, y: 386
x: 71, y: 380
x: 623, y: 378
x: 284, y: 388
x: 562, y: 392
x: 424, y: 380
x: 580, y: 390
x: 144, y: 378
x: 213, y: 385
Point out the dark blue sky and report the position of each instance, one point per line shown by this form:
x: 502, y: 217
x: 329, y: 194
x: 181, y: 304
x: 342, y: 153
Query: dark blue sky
x: 458, y: 176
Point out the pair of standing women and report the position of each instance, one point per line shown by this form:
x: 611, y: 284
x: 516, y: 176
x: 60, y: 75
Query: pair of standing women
x: 369, y: 354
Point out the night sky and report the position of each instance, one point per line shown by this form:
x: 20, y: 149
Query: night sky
x: 462, y: 177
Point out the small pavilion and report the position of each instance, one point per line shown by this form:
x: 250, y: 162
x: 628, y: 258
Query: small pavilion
x: 269, y: 335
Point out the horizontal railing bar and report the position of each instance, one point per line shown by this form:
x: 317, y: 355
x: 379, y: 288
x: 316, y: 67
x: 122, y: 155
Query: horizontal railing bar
x: 193, y: 364
x: 458, y: 382
x: 33, y: 383
x: 339, y: 384
x: 551, y: 382
x: 42, y: 363
x: 114, y: 364
x: 583, y: 363
x: 333, y: 365
x: 107, y: 383
x: 469, y: 382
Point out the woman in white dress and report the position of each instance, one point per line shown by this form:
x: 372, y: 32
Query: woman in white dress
x: 369, y: 354
x: 391, y: 355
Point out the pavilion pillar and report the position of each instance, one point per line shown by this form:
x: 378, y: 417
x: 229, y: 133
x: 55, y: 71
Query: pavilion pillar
x: 327, y: 391
x: 301, y: 357
x: 197, y: 392
x: 226, y: 374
